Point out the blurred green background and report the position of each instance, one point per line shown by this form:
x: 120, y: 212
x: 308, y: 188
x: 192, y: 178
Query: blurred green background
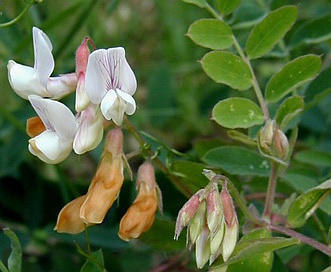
x: 174, y: 99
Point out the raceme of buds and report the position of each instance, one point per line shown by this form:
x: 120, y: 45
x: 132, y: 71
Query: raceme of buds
x: 91, y: 208
x: 272, y: 141
x: 211, y: 222
x: 140, y: 216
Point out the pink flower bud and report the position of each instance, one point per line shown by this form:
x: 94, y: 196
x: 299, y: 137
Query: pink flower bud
x: 187, y: 212
x: 214, y: 209
x: 231, y: 224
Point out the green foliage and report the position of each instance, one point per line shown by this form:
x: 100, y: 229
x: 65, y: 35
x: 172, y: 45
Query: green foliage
x: 190, y: 117
x: 227, y: 68
x: 15, y: 257
x: 270, y: 30
x: 305, y: 205
x: 291, y: 76
x: 211, y: 33
x: 237, y: 112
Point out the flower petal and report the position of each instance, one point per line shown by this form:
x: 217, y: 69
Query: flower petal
x: 43, y: 58
x: 90, y: 130
x: 62, y: 85
x: 109, y: 104
x: 96, y: 77
x: 106, y: 70
x: 55, y: 116
x: 49, y: 147
x: 24, y: 81
x: 130, y: 102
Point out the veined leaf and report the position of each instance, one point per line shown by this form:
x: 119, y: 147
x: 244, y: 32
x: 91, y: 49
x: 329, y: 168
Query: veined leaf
x: 290, y: 108
x: 15, y: 258
x: 211, y: 33
x: 199, y: 3
x: 304, y: 206
x: 291, y: 76
x: 227, y: 68
x: 246, y: 249
x: 237, y: 161
x: 312, y: 32
x: 237, y: 112
x: 270, y: 30
x: 94, y: 263
x: 258, y: 262
x: 227, y: 6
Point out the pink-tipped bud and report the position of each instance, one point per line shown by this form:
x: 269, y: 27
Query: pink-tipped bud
x: 82, y: 55
x: 187, y: 212
x: 214, y: 209
x: 231, y: 224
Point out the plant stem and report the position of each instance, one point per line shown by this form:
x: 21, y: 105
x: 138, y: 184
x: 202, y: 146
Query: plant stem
x: 20, y: 16
x: 271, y: 190
x: 304, y: 239
x: 241, y: 53
x: 155, y: 159
x: 239, y: 200
x: 88, y: 244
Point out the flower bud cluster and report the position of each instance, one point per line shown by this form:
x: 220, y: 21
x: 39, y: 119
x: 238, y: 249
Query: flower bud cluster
x: 272, y: 141
x: 211, y: 222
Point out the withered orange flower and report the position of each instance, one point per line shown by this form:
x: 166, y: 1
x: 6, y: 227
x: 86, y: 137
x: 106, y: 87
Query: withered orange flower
x: 91, y: 208
x: 140, y: 216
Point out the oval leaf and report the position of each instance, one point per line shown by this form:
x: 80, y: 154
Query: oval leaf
x: 226, y: 7
x: 227, y: 68
x: 211, y: 33
x: 291, y: 76
x: 314, y: 157
x: 246, y: 249
x: 237, y: 112
x: 314, y: 31
x: 270, y: 30
x: 237, y: 161
x: 304, y: 206
x: 258, y: 262
x: 290, y: 108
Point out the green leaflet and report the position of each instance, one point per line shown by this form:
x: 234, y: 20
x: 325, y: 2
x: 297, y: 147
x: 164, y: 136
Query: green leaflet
x: 270, y: 30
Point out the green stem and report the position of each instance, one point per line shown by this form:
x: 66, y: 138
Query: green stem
x: 304, y: 239
x: 155, y: 159
x: 241, y: 53
x: 239, y: 200
x: 3, y: 268
x: 271, y: 190
x: 87, y: 239
x: 20, y: 16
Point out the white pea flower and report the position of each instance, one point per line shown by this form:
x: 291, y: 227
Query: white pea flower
x: 111, y: 82
x: 55, y: 143
x: 90, y: 129
x: 26, y: 80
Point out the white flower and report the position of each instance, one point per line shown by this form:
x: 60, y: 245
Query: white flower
x: 90, y: 129
x: 26, y: 80
x: 55, y: 143
x: 110, y: 81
